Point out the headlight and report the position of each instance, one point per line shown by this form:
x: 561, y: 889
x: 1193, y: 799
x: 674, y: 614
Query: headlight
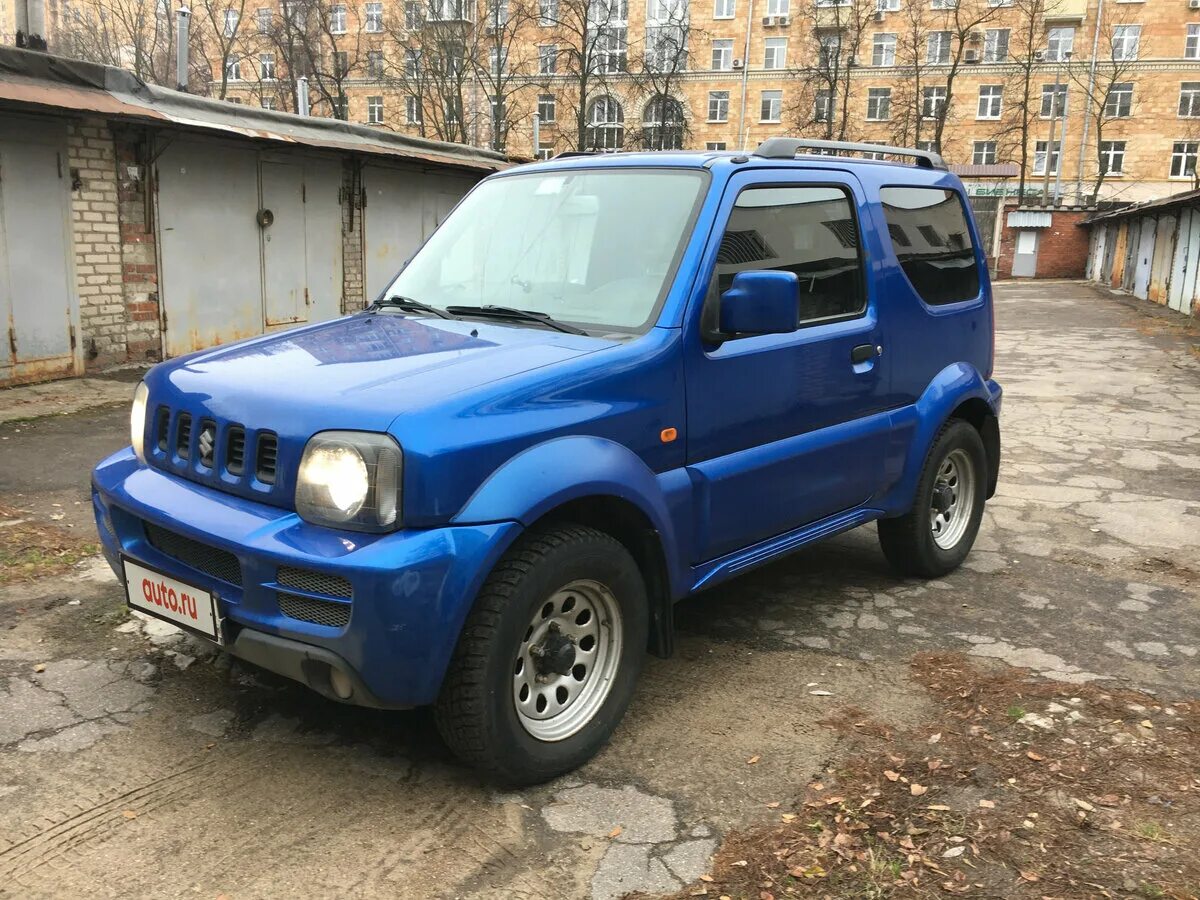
x: 350, y: 479
x: 137, y: 420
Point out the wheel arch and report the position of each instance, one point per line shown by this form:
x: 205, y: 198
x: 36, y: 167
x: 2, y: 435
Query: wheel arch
x: 980, y: 414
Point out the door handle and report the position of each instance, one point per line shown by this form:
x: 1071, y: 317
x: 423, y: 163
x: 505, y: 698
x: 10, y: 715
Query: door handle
x: 862, y: 353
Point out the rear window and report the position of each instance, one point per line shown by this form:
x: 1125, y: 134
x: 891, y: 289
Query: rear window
x: 932, y: 241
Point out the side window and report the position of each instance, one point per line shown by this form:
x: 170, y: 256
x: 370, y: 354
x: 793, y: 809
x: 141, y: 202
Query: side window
x: 931, y: 239
x: 807, y: 230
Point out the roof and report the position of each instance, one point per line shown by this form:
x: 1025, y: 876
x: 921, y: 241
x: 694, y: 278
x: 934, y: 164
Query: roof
x: 992, y: 170
x: 1030, y: 218
x: 1150, y: 206
x: 40, y: 80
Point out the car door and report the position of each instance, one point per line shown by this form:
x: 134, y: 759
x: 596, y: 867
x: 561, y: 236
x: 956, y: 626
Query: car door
x: 786, y: 429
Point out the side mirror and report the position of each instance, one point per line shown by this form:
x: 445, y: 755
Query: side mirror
x: 761, y: 303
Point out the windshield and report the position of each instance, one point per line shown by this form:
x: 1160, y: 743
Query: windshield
x: 591, y: 246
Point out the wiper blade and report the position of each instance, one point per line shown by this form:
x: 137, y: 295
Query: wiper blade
x: 511, y: 312
x: 408, y: 304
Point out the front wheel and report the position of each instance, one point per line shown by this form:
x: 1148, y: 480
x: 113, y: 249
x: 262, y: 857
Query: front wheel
x: 936, y: 535
x: 548, y: 658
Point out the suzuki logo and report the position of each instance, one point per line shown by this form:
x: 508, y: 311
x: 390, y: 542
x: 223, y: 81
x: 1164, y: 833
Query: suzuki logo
x: 207, y: 441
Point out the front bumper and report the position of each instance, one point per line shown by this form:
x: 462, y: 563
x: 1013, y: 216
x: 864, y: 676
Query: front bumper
x: 411, y: 589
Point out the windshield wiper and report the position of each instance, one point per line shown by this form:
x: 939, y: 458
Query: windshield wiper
x: 408, y: 304
x: 520, y: 315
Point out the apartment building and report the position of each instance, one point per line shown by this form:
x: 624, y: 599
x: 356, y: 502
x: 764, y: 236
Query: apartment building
x: 1108, y: 87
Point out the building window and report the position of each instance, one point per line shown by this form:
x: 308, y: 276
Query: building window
x: 927, y: 146
x: 937, y: 48
x: 270, y: 103
x: 1112, y: 157
x: 1059, y: 42
x: 715, y: 145
x: 547, y: 59
x: 233, y: 70
x: 1051, y: 106
x: 933, y: 102
x: 412, y: 14
x: 775, y: 53
x: 887, y: 5
x: 778, y: 7
x: 547, y: 108
x: 1039, y: 158
x: 995, y: 45
x: 412, y: 110
x: 943, y: 4
x: 612, y: 50
x: 879, y: 104
x: 883, y: 50
x: 771, y: 108
x: 453, y: 108
x: 266, y: 66
x: 722, y: 55
x: 341, y: 64
x: 337, y: 19
x: 545, y: 151
x: 1183, y: 158
x: 1125, y: 39
x: 1000, y: 2
x: 1189, y: 99
x: 829, y: 47
x: 497, y: 16
x: 823, y: 106
x: 375, y: 110
x: 263, y: 19
x: 605, y: 124
x: 375, y: 63
x: 373, y: 22
x: 1119, y: 101
x: 991, y: 101
x: 983, y: 153
x: 547, y: 12
x: 230, y: 22
x: 1191, y: 45
x: 662, y: 123
x: 723, y: 9
x: 718, y: 106
x: 497, y: 60
x: 412, y: 62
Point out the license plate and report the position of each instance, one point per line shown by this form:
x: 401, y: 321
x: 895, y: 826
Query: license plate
x: 150, y: 591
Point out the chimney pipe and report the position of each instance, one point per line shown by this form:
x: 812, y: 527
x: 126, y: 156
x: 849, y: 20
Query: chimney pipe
x: 181, y: 49
x: 302, y: 95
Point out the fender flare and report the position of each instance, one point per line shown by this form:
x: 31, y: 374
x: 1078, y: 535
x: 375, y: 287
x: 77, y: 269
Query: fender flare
x: 922, y: 421
x: 548, y: 475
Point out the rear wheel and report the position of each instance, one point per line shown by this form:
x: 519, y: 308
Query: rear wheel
x: 548, y: 658
x: 937, y: 534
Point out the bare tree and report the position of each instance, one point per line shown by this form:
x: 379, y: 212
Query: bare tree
x: 504, y: 62
x: 836, y: 42
x: 438, y: 48
x: 221, y: 22
x: 138, y: 35
x: 963, y: 22
x: 591, y: 46
x: 914, y: 56
x: 657, y: 72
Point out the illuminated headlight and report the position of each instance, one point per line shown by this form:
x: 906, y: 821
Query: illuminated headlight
x: 137, y: 420
x: 350, y: 479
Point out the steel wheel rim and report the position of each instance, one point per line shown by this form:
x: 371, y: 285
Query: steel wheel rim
x: 552, y: 706
x: 952, y: 500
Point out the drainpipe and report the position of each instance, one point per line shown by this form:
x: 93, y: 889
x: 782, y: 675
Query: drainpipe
x: 181, y: 49
x: 745, y: 75
x: 1088, y: 100
x: 537, y: 135
x: 302, y: 95
x: 1062, y: 137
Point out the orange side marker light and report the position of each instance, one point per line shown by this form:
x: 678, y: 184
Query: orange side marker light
x: 668, y: 434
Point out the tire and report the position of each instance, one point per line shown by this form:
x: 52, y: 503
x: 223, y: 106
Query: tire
x: 927, y: 542
x: 509, y: 642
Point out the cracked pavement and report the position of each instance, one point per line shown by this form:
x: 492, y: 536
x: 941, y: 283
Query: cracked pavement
x: 130, y: 753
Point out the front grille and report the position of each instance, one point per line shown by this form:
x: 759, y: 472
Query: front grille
x: 235, y: 451
x: 318, y: 612
x: 162, y: 425
x: 266, y: 458
x: 219, y: 564
x: 207, y: 442
x: 314, y: 582
x: 183, y: 436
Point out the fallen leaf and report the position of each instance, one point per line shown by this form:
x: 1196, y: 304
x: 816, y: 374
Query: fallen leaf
x: 40, y: 667
x: 917, y: 789
x: 616, y: 832
x: 1084, y: 805
x: 937, y: 807
x: 129, y: 814
x: 788, y: 817
x: 774, y: 804
x: 934, y: 765
x: 752, y: 760
x: 890, y: 775
x: 986, y: 804
x: 708, y: 878
x: 1030, y: 876
x: 953, y: 852
x: 740, y: 863
x: 821, y: 693
x: 1146, y: 723
x: 934, y: 738
x: 1036, y: 757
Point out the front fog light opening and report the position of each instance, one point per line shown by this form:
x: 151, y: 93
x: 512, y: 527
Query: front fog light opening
x: 340, y: 683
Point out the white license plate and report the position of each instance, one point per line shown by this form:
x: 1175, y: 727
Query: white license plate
x: 179, y: 603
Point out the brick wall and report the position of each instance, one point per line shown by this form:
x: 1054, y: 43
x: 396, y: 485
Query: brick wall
x: 1062, y: 248
x: 96, y: 230
x: 139, y: 264
x: 353, y: 277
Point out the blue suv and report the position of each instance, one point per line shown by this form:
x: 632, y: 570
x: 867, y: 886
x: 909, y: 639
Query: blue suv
x: 605, y: 383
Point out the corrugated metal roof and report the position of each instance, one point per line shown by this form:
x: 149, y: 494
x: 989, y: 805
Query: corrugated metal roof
x: 1029, y: 218
x: 51, y: 82
x: 994, y: 170
x: 1150, y: 206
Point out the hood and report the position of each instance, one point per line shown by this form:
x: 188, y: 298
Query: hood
x: 359, y: 372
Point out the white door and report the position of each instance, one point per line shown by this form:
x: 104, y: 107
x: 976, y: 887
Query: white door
x: 38, y: 302
x: 285, y: 294
x: 1145, y: 253
x: 1025, y: 254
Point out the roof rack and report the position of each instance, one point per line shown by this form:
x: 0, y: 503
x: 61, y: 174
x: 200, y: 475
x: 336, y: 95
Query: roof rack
x: 568, y: 154
x: 785, y: 148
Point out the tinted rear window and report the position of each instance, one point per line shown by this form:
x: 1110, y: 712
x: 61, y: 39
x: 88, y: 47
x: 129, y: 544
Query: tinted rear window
x: 929, y: 233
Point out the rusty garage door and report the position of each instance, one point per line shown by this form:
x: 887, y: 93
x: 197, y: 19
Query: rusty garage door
x: 249, y: 241
x: 39, y: 308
